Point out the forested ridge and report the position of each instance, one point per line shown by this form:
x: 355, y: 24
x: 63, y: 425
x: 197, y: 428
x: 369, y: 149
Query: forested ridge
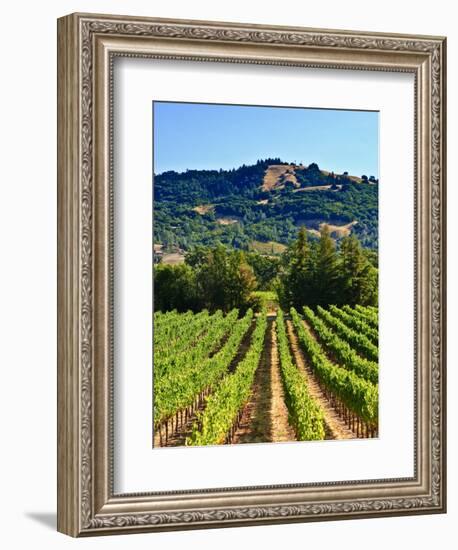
x: 232, y: 207
x: 313, y: 273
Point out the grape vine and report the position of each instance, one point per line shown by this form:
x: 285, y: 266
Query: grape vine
x: 359, y: 395
x: 305, y: 414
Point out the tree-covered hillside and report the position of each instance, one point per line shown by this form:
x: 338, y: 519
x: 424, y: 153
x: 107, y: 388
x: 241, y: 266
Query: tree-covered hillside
x: 307, y: 273
x: 235, y: 208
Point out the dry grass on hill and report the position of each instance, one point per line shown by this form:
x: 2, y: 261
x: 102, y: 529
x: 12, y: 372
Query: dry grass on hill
x: 336, y: 231
x: 277, y: 175
x: 203, y: 209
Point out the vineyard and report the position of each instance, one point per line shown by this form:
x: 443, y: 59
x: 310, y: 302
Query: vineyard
x: 265, y: 377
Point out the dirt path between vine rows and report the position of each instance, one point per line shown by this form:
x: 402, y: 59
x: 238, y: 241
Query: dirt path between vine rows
x: 254, y: 425
x: 335, y: 427
x: 265, y: 417
x: 281, y: 429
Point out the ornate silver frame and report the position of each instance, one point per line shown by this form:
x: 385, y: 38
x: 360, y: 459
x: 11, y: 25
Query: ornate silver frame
x: 87, y: 44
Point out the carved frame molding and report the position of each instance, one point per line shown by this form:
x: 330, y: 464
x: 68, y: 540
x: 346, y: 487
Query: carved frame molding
x: 87, y: 46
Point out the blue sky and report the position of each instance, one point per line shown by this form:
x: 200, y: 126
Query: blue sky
x: 212, y: 136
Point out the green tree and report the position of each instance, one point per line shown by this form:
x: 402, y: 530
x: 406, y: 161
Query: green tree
x: 212, y: 279
x: 174, y: 288
x: 326, y: 272
x: 296, y: 279
x: 369, y: 296
x: 265, y: 269
x: 315, y: 273
x: 197, y: 256
x: 225, y: 280
x: 240, y: 281
x: 358, y: 275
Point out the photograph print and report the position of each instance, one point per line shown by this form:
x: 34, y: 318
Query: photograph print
x: 265, y: 274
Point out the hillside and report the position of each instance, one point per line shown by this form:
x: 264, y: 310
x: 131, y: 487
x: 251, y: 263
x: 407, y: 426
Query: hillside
x: 277, y: 176
x: 262, y: 203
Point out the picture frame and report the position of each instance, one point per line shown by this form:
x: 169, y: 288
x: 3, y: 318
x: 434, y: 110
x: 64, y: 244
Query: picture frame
x: 87, y: 46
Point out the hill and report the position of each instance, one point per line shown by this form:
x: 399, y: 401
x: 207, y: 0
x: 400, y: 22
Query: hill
x: 261, y: 203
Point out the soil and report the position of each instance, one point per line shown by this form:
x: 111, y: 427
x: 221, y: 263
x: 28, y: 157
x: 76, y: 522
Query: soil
x: 254, y: 426
x: 174, y: 258
x: 335, y: 427
x: 281, y: 430
x: 227, y: 221
x: 203, y: 209
x: 273, y: 174
x: 265, y: 417
x: 178, y: 437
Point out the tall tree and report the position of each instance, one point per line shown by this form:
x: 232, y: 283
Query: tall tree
x: 174, y: 288
x: 240, y: 281
x: 224, y: 279
x: 296, y: 280
x: 212, y: 279
x: 358, y: 276
x: 326, y: 274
